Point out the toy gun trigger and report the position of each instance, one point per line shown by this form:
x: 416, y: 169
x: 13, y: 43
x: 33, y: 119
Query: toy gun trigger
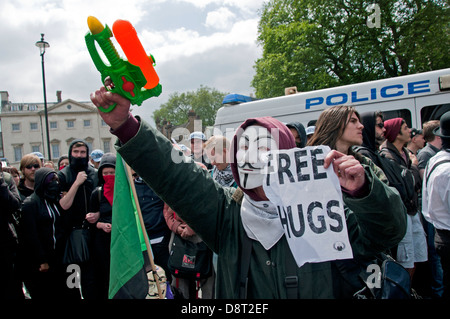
x: 107, y: 110
x: 109, y: 85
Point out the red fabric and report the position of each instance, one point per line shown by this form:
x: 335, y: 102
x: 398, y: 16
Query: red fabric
x: 108, y: 187
x: 393, y: 127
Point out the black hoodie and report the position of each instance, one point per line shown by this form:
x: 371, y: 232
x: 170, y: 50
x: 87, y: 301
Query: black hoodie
x: 369, y: 146
x: 41, y: 232
x: 301, y: 132
x: 67, y: 176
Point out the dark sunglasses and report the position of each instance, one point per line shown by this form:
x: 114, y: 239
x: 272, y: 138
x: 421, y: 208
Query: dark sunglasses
x: 380, y: 125
x: 36, y: 166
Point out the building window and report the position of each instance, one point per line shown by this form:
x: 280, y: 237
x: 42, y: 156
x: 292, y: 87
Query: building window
x: 18, y: 153
x: 53, y: 125
x: 55, y: 150
x: 35, y: 148
x: 107, y: 146
x: 70, y: 123
x: 90, y: 143
x: 15, y: 127
x: 104, y: 123
x: 33, y: 126
x: 87, y: 123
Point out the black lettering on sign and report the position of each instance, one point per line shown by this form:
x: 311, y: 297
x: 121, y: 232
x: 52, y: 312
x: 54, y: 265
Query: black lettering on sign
x: 335, y: 216
x: 283, y: 219
x: 301, y: 164
x: 284, y: 169
x: 320, y: 218
x: 301, y: 231
x: 316, y: 220
x: 269, y: 168
x: 316, y: 163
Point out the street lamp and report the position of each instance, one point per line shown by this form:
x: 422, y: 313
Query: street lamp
x: 42, y: 45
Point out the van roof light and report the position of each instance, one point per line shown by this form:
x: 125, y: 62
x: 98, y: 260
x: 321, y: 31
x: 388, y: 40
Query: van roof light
x: 237, y: 99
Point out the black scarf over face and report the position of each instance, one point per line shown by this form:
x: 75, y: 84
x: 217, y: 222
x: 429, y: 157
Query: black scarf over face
x: 46, y: 186
x: 78, y: 164
x: 52, y: 191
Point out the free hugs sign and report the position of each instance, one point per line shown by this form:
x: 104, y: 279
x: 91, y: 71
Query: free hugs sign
x: 309, y: 203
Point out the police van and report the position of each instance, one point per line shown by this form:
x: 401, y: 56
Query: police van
x: 417, y: 98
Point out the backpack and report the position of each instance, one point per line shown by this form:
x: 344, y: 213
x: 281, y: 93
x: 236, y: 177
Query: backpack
x: 189, y: 260
x: 398, y: 176
x: 385, y: 279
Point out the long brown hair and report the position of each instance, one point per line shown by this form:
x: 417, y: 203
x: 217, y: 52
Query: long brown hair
x: 331, y: 125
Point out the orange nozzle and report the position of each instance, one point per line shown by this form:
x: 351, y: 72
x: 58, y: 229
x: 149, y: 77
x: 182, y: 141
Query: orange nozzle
x: 126, y: 36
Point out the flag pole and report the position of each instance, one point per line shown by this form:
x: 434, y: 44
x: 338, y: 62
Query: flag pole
x: 144, y: 231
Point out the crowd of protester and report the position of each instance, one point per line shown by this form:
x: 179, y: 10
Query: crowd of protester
x: 42, y: 203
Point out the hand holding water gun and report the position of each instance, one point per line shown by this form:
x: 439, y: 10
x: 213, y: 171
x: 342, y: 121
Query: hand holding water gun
x: 135, y: 79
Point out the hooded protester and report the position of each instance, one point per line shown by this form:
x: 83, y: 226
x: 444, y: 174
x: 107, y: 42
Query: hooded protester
x: 43, y: 244
x: 277, y: 136
x: 77, y: 181
x: 100, y: 216
x: 374, y: 131
x: 299, y: 133
x: 373, y: 135
x: 224, y: 225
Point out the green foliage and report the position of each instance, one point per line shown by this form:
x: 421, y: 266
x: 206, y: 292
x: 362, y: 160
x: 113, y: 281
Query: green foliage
x: 314, y: 44
x: 205, y: 102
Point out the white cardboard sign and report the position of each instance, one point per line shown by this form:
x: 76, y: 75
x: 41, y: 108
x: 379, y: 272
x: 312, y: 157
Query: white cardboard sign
x: 309, y: 203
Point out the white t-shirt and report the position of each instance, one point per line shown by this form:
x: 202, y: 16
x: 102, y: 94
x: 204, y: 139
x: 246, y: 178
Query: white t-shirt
x: 436, y: 192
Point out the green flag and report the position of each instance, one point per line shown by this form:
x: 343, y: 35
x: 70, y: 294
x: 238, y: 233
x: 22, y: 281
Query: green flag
x: 128, y: 278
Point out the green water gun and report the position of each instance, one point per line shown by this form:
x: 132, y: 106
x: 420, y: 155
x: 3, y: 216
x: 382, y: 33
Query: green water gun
x: 135, y: 79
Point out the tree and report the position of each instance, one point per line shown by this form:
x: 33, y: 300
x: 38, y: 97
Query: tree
x: 314, y: 44
x: 205, y: 102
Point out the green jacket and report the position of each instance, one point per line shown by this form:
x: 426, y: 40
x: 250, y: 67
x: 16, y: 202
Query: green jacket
x: 210, y: 210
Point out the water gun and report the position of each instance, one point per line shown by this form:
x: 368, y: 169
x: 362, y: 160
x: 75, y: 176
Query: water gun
x: 135, y: 79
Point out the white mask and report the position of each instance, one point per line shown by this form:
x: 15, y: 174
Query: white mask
x: 253, y: 147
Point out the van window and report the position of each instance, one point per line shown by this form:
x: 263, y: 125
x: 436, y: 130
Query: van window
x: 403, y: 113
x: 433, y: 112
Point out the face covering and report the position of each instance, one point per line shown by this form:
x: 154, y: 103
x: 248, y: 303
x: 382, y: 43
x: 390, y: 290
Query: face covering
x: 251, y: 156
x: 278, y: 131
x: 52, y: 190
x: 108, y: 188
x: 78, y: 164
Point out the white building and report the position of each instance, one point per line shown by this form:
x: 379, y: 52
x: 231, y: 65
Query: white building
x: 23, y: 128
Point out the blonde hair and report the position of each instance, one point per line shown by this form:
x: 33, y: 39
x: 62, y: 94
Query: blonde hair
x: 428, y: 128
x: 218, y: 143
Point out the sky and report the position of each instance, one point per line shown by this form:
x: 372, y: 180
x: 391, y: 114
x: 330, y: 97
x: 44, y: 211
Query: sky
x: 194, y: 42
